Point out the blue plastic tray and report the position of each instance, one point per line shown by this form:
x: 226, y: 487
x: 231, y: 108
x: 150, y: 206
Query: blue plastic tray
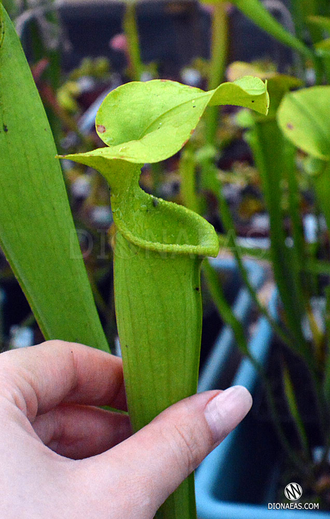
x: 243, y: 470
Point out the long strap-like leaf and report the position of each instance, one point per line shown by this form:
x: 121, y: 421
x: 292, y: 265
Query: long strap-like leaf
x: 37, y: 232
x: 256, y: 11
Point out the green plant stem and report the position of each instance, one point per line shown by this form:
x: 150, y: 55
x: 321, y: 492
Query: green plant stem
x: 181, y: 504
x: 299, y: 18
x: 187, y: 172
x: 326, y: 66
x: 209, y: 172
x: 321, y: 402
x: 215, y: 288
x: 255, y: 10
x: 133, y: 41
x: 285, y: 335
x: 311, y: 265
x: 326, y: 381
x: 317, y: 266
x: 219, y: 44
x: 294, y: 411
x: 254, y: 252
x: 287, y: 267
x: 42, y: 50
x: 269, y: 152
x: 229, y: 317
x: 157, y: 177
x: 110, y: 327
x: 190, y: 200
x: 304, y: 466
x: 294, y: 209
x: 219, y: 49
x: 321, y: 184
x: 224, y: 309
x: 100, y: 303
x: 317, y: 384
x: 301, y: 10
x: 298, y: 248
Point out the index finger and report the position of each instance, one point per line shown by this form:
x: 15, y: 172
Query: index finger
x: 43, y: 376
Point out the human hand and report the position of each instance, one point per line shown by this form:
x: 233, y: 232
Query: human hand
x: 63, y: 457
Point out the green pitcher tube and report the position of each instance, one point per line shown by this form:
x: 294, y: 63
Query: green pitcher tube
x: 158, y: 250
x: 163, y: 336
x: 158, y: 304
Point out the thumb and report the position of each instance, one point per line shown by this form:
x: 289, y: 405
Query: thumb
x: 166, y: 451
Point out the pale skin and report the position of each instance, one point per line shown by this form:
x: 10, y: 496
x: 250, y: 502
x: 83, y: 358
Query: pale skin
x: 61, y: 456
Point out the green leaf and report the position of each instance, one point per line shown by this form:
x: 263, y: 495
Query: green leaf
x: 277, y: 84
x: 320, y: 21
x: 257, y: 12
x: 274, y: 158
x: 294, y: 410
x: 37, y: 232
x: 151, y: 121
x: 304, y: 117
x: 323, y: 48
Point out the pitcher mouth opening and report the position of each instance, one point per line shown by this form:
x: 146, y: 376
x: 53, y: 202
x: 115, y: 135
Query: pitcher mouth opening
x: 164, y: 226
x: 147, y: 221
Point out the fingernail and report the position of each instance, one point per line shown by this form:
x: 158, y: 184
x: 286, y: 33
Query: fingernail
x: 226, y: 410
